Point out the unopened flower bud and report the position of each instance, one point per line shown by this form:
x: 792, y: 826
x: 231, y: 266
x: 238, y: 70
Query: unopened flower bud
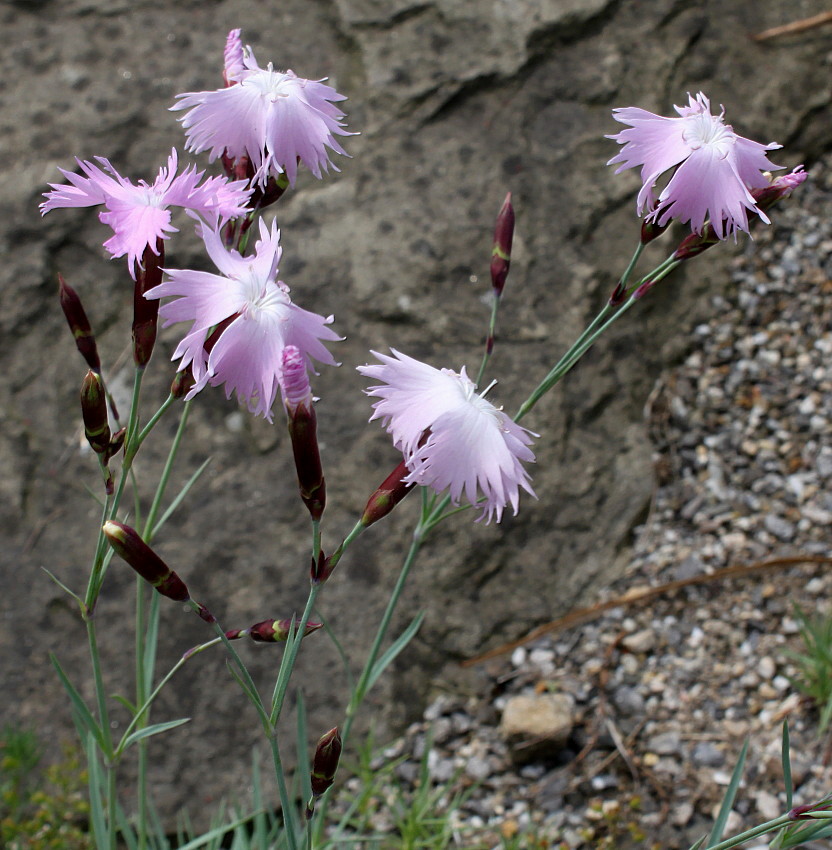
x: 130, y: 547
x: 617, y: 295
x: 391, y: 491
x: 644, y: 289
x: 277, y: 631
x: 79, y: 324
x: 325, y: 761
x: 182, y: 382
x: 146, y: 310
x: 320, y: 570
x: 779, y: 187
x: 116, y: 443
x: 303, y: 427
x: 693, y: 245
x: 94, y: 411
x: 501, y: 254
x: 650, y: 230
x: 233, y: 58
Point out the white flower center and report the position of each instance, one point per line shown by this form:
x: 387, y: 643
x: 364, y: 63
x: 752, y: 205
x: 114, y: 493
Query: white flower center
x: 270, y: 83
x: 150, y: 196
x: 264, y: 302
x: 705, y: 130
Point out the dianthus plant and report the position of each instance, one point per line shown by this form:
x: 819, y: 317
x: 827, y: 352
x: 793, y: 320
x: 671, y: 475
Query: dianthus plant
x: 244, y: 329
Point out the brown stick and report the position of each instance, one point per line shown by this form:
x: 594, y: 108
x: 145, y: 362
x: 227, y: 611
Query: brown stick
x: 795, y: 26
x: 585, y: 615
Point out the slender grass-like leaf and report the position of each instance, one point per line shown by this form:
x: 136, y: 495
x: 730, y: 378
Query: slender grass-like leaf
x: 260, y: 829
x: 339, y: 648
x: 253, y: 696
x: 303, y: 775
x: 154, y: 729
x: 81, y: 711
x: 63, y: 587
x: 728, y: 799
x: 127, y: 833
x: 699, y: 843
x: 97, y: 819
x: 96, y: 498
x: 126, y: 703
x: 179, y: 497
x: 787, y: 765
x: 151, y: 639
x: 394, y: 649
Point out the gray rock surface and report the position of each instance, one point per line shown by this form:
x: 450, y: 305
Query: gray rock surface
x: 457, y: 102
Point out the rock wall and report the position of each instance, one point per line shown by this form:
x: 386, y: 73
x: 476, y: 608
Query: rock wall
x: 457, y: 101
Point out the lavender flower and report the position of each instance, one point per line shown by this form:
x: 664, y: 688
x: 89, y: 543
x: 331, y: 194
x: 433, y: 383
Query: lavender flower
x: 715, y: 168
x: 257, y: 318
x: 139, y: 215
x: 451, y: 437
x: 274, y: 118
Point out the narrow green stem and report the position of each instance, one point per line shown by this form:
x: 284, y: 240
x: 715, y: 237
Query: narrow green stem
x: 290, y: 655
x: 98, y: 684
x: 155, y: 692
x: 131, y: 442
x: 285, y: 801
x: 567, y: 361
x: 104, y: 721
x: 430, y: 517
x: 756, y: 831
x: 112, y: 805
x: 151, y: 423
x: 93, y: 582
x: 165, y: 476
x: 489, y: 342
x: 361, y: 688
x: 595, y: 328
x: 632, y: 264
x: 143, y: 718
x: 316, y: 540
x: 245, y: 677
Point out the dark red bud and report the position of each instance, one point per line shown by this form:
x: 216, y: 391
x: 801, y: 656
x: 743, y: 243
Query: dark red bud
x: 302, y: 424
x: 650, y: 231
x: 644, y: 289
x: 116, y: 443
x: 501, y: 254
x: 693, y: 245
x: 277, y: 631
x: 182, y: 382
x: 146, y: 310
x: 79, y: 324
x: 617, y: 296
x: 391, y: 491
x: 325, y: 761
x: 94, y: 412
x: 130, y: 547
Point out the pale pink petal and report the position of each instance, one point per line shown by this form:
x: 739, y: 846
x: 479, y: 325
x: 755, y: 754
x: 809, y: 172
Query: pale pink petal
x: 139, y: 214
x: 715, y: 168
x: 452, y: 439
x: 272, y: 117
x: 248, y: 317
x: 205, y: 299
x: 246, y: 358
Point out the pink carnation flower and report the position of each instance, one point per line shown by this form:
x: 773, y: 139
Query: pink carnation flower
x: 716, y: 167
x: 272, y: 117
x: 257, y: 321
x: 451, y: 437
x: 139, y: 215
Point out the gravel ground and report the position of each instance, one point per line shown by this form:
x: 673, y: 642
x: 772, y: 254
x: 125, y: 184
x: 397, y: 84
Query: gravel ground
x: 658, y: 696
